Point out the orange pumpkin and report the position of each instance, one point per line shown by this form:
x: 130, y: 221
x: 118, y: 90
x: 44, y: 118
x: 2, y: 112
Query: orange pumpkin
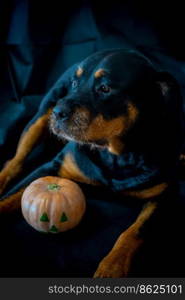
x: 53, y: 204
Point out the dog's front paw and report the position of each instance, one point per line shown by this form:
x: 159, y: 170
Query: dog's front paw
x: 113, y: 266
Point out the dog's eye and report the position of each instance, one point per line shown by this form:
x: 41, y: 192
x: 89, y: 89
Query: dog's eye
x: 74, y: 84
x: 104, y: 88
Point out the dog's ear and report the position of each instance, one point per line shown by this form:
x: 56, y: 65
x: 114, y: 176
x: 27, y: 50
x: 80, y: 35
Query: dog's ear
x: 173, y: 106
x: 169, y: 88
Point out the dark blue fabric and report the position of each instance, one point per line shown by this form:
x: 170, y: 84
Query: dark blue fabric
x: 38, y: 42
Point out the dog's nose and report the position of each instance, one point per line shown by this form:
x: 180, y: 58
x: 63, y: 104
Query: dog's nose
x: 61, y: 111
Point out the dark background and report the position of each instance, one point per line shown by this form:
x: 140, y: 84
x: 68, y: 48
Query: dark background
x: 38, y: 41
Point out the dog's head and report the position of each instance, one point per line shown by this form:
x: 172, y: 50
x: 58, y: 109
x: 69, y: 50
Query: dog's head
x: 109, y: 94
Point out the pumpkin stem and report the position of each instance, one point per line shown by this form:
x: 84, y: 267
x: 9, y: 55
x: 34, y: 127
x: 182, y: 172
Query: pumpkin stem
x: 53, y: 187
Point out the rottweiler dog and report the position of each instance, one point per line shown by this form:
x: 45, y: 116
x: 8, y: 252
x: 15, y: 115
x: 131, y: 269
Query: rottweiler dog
x: 121, y: 118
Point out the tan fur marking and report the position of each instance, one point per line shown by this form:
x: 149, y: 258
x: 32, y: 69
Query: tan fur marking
x: 108, y: 129
x: 132, y: 113
x: 182, y: 159
x: 12, y: 202
x: 145, y: 214
x: 70, y: 170
x: 147, y: 193
x: 31, y: 136
x: 116, y: 146
x: 118, y: 261
x: 79, y: 72
x: 103, y: 129
x: 26, y: 143
x: 112, y: 130
x: 99, y: 73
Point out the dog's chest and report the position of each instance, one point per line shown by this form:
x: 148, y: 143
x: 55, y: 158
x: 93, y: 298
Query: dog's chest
x: 128, y: 170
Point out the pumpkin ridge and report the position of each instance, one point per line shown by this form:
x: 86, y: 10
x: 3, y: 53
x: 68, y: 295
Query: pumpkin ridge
x: 49, y: 208
x: 46, y: 204
x: 42, y: 202
x: 70, y: 200
x: 30, y: 211
x: 30, y: 201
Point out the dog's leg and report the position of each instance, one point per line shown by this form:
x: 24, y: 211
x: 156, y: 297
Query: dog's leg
x: 26, y: 144
x: 117, y: 263
x: 69, y: 169
x: 11, y: 203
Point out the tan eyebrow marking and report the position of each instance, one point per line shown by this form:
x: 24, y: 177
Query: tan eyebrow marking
x: 79, y: 72
x: 99, y: 73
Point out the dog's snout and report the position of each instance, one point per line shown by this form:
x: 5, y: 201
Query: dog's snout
x: 61, y: 111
